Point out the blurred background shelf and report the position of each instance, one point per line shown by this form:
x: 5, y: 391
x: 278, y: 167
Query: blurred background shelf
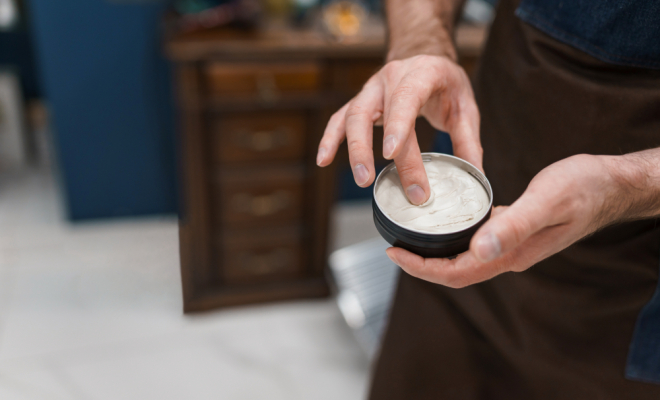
x: 249, y: 97
x: 282, y: 43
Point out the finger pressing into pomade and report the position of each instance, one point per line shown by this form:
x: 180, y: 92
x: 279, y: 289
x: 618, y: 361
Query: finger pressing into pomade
x: 457, y: 200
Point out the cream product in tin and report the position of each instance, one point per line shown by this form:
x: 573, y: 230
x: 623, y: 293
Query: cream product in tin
x: 457, y: 199
x: 460, y: 203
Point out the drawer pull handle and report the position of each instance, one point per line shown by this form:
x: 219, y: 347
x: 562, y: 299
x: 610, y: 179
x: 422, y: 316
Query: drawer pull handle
x: 261, y: 141
x: 261, y: 206
x: 265, y: 263
x: 267, y: 88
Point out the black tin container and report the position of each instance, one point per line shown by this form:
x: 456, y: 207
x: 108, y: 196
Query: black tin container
x: 431, y: 245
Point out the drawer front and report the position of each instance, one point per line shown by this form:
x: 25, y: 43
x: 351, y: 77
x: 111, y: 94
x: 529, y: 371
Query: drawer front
x: 267, y: 81
x: 255, y: 256
x: 259, y: 137
x: 359, y: 73
x: 259, y: 196
x: 350, y: 77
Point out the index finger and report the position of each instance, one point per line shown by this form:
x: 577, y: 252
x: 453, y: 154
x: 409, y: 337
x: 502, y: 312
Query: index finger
x: 405, y: 103
x: 400, y: 140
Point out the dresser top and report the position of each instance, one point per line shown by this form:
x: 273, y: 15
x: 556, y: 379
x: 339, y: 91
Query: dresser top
x: 280, y: 42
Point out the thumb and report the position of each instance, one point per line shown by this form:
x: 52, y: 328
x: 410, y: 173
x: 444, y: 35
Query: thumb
x: 508, y: 228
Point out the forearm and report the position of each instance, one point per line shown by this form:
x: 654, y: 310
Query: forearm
x: 637, y: 179
x: 422, y: 27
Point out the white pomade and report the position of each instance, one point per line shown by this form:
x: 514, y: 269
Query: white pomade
x: 458, y: 200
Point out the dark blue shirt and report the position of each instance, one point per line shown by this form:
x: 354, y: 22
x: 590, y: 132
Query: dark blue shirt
x: 623, y: 32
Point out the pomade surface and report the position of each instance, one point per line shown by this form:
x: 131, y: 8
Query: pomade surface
x: 458, y: 200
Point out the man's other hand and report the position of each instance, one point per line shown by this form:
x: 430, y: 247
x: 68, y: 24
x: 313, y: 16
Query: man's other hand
x: 565, y: 202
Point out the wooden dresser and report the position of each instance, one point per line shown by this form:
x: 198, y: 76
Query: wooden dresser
x: 255, y: 207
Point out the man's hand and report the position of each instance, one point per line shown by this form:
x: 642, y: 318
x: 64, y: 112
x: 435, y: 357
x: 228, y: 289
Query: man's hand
x: 432, y: 86
x: 565, y: 202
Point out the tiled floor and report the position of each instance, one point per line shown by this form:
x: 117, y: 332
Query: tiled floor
x: 93, y: 311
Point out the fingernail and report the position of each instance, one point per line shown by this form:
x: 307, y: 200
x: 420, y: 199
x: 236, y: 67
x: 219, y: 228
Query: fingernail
x: 321, y: 156
x: 389, y: 144
x: 361, y: 174
x: 416, y: 194
x: 487, y: 248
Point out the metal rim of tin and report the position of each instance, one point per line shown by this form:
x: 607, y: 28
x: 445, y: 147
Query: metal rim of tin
x: 459, y: 162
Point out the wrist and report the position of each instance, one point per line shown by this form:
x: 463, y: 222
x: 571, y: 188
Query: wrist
x: 636, y: 184
x: 403, y: 52
x: 434, y: 40
x: 405, y: 49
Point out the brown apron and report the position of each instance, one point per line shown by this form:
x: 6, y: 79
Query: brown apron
x: 562, y: 329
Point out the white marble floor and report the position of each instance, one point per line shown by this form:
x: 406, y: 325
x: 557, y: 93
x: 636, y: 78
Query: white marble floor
x: 93, y: 311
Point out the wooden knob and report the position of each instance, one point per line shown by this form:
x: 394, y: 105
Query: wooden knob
x: 268, y: 262
x: 261, y: 141
x: 264, y: 205
x: 267, y: 88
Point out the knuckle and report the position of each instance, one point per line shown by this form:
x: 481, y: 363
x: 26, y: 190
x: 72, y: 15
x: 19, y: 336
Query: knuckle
x: 328, y: 141
x: 428, y: 64
x: 404, y: 92
x: 336, y: 117
x: 572, y: 206
x: 373, y: 81
x: 355, y: 110
x: 391, y: 69
x: 400, y: 120
x: 461, y: 75
x: 406, y: 168
x: 458, y: 282
x: 394, y: 64
x: 580, y: 159
x: 517, y: 267
x: 407, y: 98
x: 328, y: 133
x: 356, y: 145
x: 446, y: 276
x: 501, y: 267
x: 518, y: 227
x: 420, y: 79
x: 427, y: 265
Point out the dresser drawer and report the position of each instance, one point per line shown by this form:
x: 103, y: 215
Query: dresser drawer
x: 254, y: 256
x: 267, y: 81
x: 258, y: 196
x: 358, y: 73
x: 259, y: 137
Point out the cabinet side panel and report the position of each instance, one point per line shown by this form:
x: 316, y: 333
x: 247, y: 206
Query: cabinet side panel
x: 194, y: 220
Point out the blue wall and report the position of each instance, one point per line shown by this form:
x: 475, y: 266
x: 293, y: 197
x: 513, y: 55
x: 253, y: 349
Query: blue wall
x: 108, y: 88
